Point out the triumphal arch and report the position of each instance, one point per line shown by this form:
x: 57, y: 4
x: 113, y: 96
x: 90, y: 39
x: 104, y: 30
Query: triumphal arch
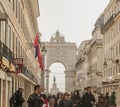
x: 58, y: 50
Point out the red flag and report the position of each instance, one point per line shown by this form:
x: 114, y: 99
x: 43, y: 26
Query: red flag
x: 37, y: 53
x: 36, y: 41
x: 40, y: 60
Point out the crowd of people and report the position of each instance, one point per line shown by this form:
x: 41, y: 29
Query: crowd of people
x: 67, y: 99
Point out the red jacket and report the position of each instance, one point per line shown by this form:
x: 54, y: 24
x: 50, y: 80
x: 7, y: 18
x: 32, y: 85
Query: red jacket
x: 46, y: 102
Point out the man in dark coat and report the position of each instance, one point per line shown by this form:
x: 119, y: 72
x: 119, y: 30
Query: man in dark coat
x: 17, y: 100
x: 88, y: 99
x: 34, y: 99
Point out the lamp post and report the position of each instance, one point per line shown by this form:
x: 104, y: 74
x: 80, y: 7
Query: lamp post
x: 47, y: 80
x: 42, y: 74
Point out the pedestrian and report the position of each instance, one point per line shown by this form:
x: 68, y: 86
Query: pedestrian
x: 58, y: 99
x: 44, y: 99
x: 101, y: 102
x: 88, y: 99
x: 17, y: 100
x: 52, y: 100
x: 66, y: 101
x: 76, y: 99
x: 107, y: 98
x: 34, y: 99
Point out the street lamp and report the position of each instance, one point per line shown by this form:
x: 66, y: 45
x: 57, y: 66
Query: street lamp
x: 42, y: 74
x: 47, y: 80
x: 44, y: 51
x: 116, y: 61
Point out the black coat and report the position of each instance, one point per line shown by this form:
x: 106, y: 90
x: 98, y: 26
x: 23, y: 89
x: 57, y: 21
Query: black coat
x: 34, y: 101
x: 65, y: 103
x: 19, y: 99
x: 87, y: 99
x: 76, y: 101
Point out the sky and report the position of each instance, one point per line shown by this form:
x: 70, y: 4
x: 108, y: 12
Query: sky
x: 57, y: 70
x: 74, y: 19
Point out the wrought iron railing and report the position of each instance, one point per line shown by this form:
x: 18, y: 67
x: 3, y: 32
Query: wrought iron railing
x: 27, y: 73
x: 6, y: 52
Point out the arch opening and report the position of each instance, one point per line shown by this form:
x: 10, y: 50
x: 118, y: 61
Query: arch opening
x: 58, y: 71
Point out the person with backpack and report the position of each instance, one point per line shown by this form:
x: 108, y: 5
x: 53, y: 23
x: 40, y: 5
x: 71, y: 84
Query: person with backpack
x: 34, y: 99
x: 17, y: 100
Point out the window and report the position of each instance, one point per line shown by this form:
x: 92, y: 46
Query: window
x: 119, y: 47
x: 4, y: 33
x: 19, y: 13
x: 16, y: 8
x: 9, y: 38
x: 119, y: 68
x: 13, y: 43
x: 16, y: 46
x: 0, y: 30
x: 13, y: 5
x: 18, y: 49
x: 116, y: 50
x: 21, y: 17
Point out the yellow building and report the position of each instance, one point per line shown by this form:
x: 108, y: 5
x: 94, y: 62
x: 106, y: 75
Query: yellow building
x: 18, y: 26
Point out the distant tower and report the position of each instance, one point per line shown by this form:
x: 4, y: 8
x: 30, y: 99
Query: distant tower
x: 54, y: 90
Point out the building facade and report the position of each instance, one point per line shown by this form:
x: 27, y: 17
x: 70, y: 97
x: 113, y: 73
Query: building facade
x: 89, y: 67
x: 58, y: 50
x: 94, y: 57
x: 81, y: 66
x: 111, y: 32
x: 18, y: 26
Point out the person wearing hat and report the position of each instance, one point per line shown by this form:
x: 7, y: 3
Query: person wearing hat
x: 66, y: 101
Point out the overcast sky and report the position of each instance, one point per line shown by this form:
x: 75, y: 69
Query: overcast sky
x: 73, y: 18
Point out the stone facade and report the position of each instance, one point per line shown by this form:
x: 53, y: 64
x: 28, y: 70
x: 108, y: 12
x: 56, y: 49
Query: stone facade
x: 58, y: 50
x: 81, y: 66
x: 18, y: 26
x: 111, y: 32
x: 89, y: 66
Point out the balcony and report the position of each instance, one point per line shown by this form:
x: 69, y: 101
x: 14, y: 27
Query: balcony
x: 28, y: 74
x: 3, y: 16
x: 79, y: 61
x: 6, y: 52
x: 107, y: 24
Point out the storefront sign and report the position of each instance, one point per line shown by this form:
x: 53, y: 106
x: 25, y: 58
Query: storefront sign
x: 17, y: 61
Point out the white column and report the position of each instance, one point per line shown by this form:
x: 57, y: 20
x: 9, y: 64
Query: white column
x: 1, y: 93
x: 13, y: 84
x: 17, y: 83
x: 6, y: 94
